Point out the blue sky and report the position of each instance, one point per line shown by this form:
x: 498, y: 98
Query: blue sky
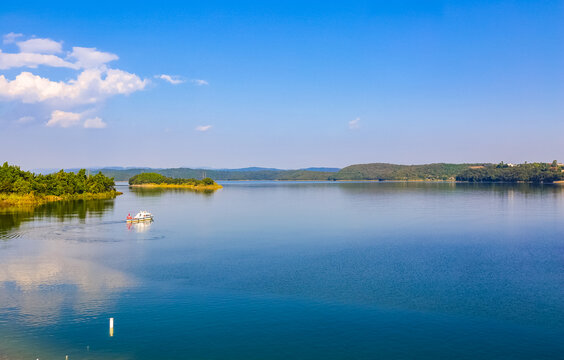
x: 280, y: 84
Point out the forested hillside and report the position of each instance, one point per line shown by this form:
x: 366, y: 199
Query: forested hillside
x: 533, y: 172
x: 383, y: 171
x: 482, y: 172
x: 237, y: 174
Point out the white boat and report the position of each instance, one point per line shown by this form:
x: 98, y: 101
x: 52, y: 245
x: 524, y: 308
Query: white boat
x: 141, y: 216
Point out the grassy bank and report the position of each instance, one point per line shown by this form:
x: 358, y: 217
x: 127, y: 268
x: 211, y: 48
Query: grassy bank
x: 23, y: 188
x: 33, y: 199
x: 154, y: 180
x: 180, y: 186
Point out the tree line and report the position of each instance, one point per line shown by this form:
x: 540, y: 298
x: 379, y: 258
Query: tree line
x: 233, y: 174
x: 528, y: 172
x: 154, y: 178
x: 13, y: 180
x: 384, y: 171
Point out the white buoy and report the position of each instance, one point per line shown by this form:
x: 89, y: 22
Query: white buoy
x: 111, y: 326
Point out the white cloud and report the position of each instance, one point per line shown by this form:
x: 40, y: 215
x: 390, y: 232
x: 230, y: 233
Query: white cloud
x: 90, y: 57
x: 90, y: 86
x: 40, y: 46
x: 67, y: 119
x: 203, y: 127
x: 32, y: 60
x: 25, y: 119
x: 41, y: 53
x: 120, y: 82
x: 59, y: 100
x: 63, y: 119
x: 95, y: 123
x: 10, y: 38
x: 175, y: 80
x: 199, y: 82
x: 354, y: 124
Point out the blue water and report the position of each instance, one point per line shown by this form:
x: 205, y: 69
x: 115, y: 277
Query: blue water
x: 276, y: 270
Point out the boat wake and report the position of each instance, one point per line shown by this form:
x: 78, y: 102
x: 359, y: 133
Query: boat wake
x: 57, y: 230
x: 10, y: 236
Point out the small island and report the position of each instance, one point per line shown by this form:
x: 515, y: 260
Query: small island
x: 155, y: 180
x: 24, y: 188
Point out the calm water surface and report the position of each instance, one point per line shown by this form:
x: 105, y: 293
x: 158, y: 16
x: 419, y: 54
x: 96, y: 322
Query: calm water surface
x: 264, y: 270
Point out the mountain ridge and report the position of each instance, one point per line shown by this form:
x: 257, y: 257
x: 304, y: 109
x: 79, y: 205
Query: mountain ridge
x: 474, y: 172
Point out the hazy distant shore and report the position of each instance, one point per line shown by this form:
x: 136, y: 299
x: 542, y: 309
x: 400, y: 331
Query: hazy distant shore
x: 475, y: 172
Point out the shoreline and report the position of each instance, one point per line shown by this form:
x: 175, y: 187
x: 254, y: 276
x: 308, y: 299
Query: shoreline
x: 559, y: 182
x: 179, y: 186
x: 15, y: 200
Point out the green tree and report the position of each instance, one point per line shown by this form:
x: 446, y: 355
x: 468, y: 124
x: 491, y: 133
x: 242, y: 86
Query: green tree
x: 15, y: 180
x: 208, y: 181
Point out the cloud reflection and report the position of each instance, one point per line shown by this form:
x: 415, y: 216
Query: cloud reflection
x: 26, y: 285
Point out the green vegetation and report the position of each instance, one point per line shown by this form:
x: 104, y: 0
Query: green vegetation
x: 482, y: 172
x: 255, y: 174
x: 158, y: 179
x: 382, y: 171
x: 23, y: 187
x: 303, y: 175
x: 533, y: 172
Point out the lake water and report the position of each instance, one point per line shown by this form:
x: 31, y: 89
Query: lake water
x: 276, y: 270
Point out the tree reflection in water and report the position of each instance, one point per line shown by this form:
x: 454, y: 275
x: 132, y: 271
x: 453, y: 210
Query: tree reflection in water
x: 155, y: 191
x: 13, y: 217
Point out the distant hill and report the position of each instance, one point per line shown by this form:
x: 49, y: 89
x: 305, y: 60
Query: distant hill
x: 227, y: 174
x: 383, y: 171
x: 322, y: 169
x: 319, y: 169
x: 375, y: 171
x: 528, y: 172
x: 537, y: 172
x: 46, y: 171
x: 254, y: 168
